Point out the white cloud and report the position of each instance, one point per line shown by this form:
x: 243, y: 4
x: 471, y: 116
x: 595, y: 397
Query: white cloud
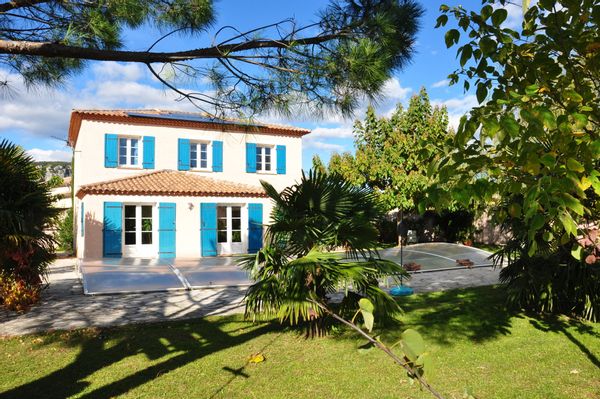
x: 322, y: 145
x: 441, y: 83
x: 49, y: 155
x: 341, y: 132
x: 393, y: 90
x: 44, y: 112
x: 457, y: 107
x: 118, y: 71
x: 515, y: 15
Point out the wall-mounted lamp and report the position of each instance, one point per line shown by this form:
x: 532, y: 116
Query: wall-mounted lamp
x: 190, y: 206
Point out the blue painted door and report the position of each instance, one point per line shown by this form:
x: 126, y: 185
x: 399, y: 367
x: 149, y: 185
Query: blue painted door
x: 255, y: 227
x: 113, y: 230
x: 166, y: 230
x: 208, y: 229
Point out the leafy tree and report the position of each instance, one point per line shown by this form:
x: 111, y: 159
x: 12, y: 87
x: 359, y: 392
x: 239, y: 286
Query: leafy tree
x: 349, y: 52
x: 25, y: 210
x: 295, y: 273
x: 55, y: 181
x: 533, y: 144
x: 318, y: 165
x: 64, y: 234
x: 393, y: 154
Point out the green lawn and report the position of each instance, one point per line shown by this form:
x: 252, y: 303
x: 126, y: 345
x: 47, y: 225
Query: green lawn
x: 473, y: 341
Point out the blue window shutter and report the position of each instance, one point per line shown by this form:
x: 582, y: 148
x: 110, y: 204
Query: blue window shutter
x: 111, y: 149
x: 82, y: 220
x: 184, y: 155
x: 255, y: 227
x: 112, y: 231
x: 148, y: 160
x: 281, y: 159
x: 166, y: 230
x: 251, y: 157
x: 208, y: 229
x: 217, y: 156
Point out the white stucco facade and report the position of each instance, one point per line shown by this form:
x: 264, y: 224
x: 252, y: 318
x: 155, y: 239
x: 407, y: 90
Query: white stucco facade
x: 89, y: 168
x: 89, y: 153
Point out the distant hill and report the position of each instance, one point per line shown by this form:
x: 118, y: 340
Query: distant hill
x: 55, y: 168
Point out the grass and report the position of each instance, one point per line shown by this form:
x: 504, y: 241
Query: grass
x: 473, y: 341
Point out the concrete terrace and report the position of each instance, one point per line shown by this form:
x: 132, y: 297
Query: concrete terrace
x: 63, y: 305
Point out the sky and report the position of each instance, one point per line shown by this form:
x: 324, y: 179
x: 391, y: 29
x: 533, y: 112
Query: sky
x: 38, y: 119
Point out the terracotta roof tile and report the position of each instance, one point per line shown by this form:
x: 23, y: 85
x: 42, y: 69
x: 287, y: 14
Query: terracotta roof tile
x: 175, y: 119
x: 171, y: 183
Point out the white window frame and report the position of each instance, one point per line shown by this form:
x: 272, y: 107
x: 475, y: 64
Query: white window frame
x: 208, y: 167
x: 140, y: 152
x: 138, y: 249
x: 261, y: 153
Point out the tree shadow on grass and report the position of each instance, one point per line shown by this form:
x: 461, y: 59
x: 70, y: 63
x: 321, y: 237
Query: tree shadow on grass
x: 565, y: 326
x: 179, y: 343
x: 445, y: 317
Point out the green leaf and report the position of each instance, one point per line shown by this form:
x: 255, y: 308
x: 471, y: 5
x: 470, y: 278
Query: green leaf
x: 499, y: 16
x: 537, y: 222
x: 510, y: 125
x: 451, y: 37
x: 467, y: 52
x: 532, y: 248
x: 441, y: 21
x: 526, y: 5
x: 481, y: 92
x: 531, y: 89
x: 576, y: 251
x: 548, y: 160
x: 547, y: 117
x: 572, y: 95
x: 572, y: 203
x: 574, y: 165
x: 581, y: 120
x: 412, y: 344
x: 487, y: 45
x: 568, y: 223
x: 366, y: 309
x: 491, y: 126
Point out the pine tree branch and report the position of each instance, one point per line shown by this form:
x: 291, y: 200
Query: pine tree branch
x: 50, y: 49
x: 14, y: 4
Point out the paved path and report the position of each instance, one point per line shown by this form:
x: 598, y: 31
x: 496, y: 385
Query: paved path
x: 64, y: 306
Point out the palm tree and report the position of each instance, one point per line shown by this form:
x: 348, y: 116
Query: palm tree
x: 25, y: 210
x: 296, y: 271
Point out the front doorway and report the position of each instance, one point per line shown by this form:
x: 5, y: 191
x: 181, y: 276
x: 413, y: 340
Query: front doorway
x: 139, y: 239
x: 229, y: 229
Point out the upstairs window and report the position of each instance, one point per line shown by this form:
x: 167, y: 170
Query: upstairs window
x: 129, y: 152
x: 264, y: 158
x: 199, y: 156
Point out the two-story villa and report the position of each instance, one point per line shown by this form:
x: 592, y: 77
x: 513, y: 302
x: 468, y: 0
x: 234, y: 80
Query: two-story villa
x: 152, y: 183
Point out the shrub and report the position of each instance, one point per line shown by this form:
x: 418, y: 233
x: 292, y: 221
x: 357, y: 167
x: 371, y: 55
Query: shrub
x: 16, y: 294
x: 25, y: 212
x: 64, y: 235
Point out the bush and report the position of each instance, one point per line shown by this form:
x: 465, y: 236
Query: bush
x: 554, y: 285
x: 25, y: 213
x: 64, y: 235
x: 16, y: 294
x: 388, y: 231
